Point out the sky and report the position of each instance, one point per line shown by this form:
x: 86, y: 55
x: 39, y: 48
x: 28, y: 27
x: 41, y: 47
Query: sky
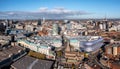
x: 62, y: 8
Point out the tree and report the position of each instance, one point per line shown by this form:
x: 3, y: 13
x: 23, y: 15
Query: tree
x: 59, y: 53
x: 37, y: 55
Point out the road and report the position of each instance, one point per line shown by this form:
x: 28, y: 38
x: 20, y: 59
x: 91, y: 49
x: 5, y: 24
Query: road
x: 94, y: 58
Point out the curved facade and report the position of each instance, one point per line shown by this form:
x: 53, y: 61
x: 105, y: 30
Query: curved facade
x: 92, y: 45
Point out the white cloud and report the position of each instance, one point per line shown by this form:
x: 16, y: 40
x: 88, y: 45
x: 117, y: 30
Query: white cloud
x: 43, y: 9
x: 11, y: 13
x: 55, y: 13
x: 60, y: 10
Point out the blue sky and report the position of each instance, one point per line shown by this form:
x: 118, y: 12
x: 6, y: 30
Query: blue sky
x: 97, y: 8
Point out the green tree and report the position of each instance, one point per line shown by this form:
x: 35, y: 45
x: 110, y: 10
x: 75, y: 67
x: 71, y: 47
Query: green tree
x: 37, y: 55
x: 59, y: 53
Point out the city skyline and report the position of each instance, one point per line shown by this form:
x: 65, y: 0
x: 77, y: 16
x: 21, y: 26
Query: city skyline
x: 59, y: 9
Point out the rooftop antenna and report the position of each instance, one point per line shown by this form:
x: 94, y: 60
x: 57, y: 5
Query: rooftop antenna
x: 105, y: 17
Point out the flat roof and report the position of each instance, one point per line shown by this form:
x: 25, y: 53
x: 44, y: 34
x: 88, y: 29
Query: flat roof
x: 9, y: 50
x: 45, y: 46
x: 28, y: 62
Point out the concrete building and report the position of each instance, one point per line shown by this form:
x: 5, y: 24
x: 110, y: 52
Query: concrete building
x: 55, y: 29
x: 112, y: 50
x: 101, y: 26
x: 55, y: 41
x: 36, y: 46
x: 4, y: 40
x: 118, y: 28
x: 19, y: 26
x: 105, y: 25
x: 113, y: 28
x: 29, y: 27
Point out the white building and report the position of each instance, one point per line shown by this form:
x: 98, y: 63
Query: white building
x: 118, y: 28
x: 101, y: 26
x: 113, y: 28
x: 41, y: 48
x: 18, y: 26
x: 29, y: 27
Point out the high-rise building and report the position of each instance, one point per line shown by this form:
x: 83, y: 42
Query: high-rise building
x: 101, y: 26
x: 55, y: 29
x: 105, y: 24
x: 12, y: 38
x: 43, y: 20
x: 39, y: 22
x: 2, y: 27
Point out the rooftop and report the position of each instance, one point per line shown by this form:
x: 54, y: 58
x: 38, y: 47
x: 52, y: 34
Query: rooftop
x: 6, y: 51
x: 35, y: 44
x: 114, y: 44
x: 28, y: 62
